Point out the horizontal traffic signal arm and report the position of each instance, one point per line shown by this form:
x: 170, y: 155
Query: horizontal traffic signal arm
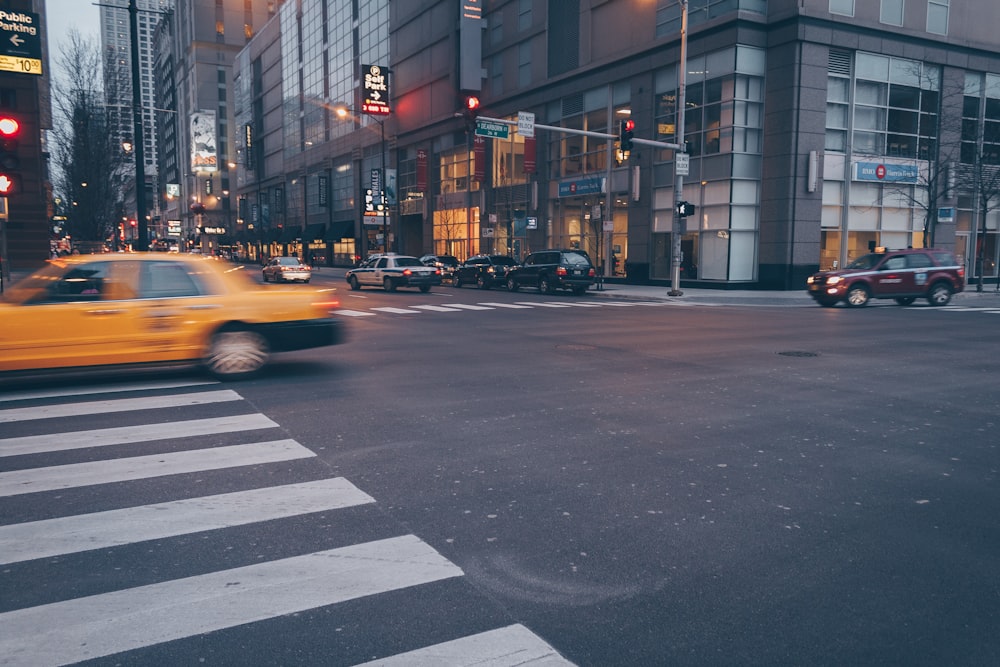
x: 586, y: 133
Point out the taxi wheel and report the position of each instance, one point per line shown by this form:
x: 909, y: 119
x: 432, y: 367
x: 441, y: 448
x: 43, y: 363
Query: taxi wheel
x: 857, y: 296
x: 939, y: 295
x: 353, y: 282
x: 236, y: 353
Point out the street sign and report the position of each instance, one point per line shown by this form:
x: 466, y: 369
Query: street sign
x: 486, y: 128
x: 487, y: 232
x: 526, y: 123
x: 532, y: 223
x: 682, y: 164
x: 20, y: 42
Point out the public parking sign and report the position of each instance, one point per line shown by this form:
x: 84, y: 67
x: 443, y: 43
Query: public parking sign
x: 20, y: 42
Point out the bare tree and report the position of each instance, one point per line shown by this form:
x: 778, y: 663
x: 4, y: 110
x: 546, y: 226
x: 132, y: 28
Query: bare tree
x: 90, y: 168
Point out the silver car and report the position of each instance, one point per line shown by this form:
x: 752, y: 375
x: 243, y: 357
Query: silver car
x: 286, y: 269
x: 392, y: 271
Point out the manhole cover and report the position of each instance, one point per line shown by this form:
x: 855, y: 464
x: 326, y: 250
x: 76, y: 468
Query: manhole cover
x: 798, y: 353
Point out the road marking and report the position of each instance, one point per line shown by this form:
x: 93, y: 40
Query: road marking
x: 543, y: 304
x: 72, y: 534
x: 119, y: 405
x: 625, y: 304
x: 438, y: 309
x: 62, y: 393
x: 503, y: 305
x: 468, y: 306
x: 512, y: 646
x: 120, y: 435
x: 143, y: 467
x: 109, y: 623
x: 354, y: 313
x: 400, y: 311
x: 580, y: 304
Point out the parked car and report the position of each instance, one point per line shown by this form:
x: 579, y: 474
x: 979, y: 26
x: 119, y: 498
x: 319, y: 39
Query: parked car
x: 393, y: 271
x: 446, y: 263
x: 104, y: 311
x: 484, y: 271
x: 286, y: 270
x: 549, y: 270
x: 902, y: 275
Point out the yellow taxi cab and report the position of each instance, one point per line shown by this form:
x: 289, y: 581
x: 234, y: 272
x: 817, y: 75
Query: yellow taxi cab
x: 86, y: 311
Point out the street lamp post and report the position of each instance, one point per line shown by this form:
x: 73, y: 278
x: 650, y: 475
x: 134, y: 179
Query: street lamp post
x: 342, y: 112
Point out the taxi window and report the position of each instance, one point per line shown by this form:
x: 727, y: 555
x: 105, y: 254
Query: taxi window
x: 167, y: 279
x: 80, y: 283
x: 894, y: 263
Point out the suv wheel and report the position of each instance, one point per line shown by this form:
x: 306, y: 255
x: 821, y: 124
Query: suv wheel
x: 939, y: 295
x: 481, y: 283
x: 857, y: 296
x: 512, y: 285
x: 544, y: 286
x: 457, y: 281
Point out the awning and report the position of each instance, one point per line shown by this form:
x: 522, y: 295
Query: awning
x: 313, y: 232
x: 339, y: 230
x: 290, y: 234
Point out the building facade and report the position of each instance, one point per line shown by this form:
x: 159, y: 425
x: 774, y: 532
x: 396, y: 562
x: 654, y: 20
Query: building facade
x: 815, y: 130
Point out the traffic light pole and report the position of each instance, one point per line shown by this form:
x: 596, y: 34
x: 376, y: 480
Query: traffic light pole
x: 678, y: 221
x: 142, y: 228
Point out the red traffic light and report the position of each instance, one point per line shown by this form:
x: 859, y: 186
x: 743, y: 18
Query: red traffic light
x: 9, y: 127
x: 472, y: 103
x: 625, y: 128
x: 629, y: 125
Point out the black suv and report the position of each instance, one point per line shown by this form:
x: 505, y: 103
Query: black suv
x: 903, y: 275
x: 483, y: 270
x: 549, y: 270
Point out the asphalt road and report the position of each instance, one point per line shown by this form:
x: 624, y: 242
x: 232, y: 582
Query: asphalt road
x: 630, y: 483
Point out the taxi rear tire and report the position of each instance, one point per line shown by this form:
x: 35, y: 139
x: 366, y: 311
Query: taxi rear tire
x: 939, y: 295
x: 857, y: 296
x: 236, y: 353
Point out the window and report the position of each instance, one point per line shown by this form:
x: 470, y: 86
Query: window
x: 524, y: 14
x: 845, y: 7
x: 937, y: 16
x: 892, y: 12
x: 524, y: 64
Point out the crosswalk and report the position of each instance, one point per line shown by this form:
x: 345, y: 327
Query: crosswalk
x: 45, y: 621
x: 417, y: 309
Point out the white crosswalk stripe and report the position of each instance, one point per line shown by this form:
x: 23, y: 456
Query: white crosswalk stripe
x: 125, y: 619
x: 120, y: 405
x: 155, y: 465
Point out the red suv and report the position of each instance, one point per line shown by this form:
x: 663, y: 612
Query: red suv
x: 903, y: 275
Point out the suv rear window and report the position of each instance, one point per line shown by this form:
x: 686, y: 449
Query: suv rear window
x: 576, y: 259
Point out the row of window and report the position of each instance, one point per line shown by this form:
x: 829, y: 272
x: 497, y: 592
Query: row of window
x: 891, y: 12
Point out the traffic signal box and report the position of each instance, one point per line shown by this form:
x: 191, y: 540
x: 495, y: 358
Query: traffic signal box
x: 470, y: 111
x: 10, y: 162
x: 685, y: 209
x: 625, y: 131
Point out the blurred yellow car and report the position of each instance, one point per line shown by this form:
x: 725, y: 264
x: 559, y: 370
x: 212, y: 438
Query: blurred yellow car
x: 86, y: 311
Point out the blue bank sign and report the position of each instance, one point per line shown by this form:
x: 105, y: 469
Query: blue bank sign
x: 588, y: 186
x: 886, y: 173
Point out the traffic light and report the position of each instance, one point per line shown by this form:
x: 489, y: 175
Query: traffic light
x: 471, y: 107
x: 685, y: 209
x: 10, y: 132
x: 625, y: 131
x: 470, y: 111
